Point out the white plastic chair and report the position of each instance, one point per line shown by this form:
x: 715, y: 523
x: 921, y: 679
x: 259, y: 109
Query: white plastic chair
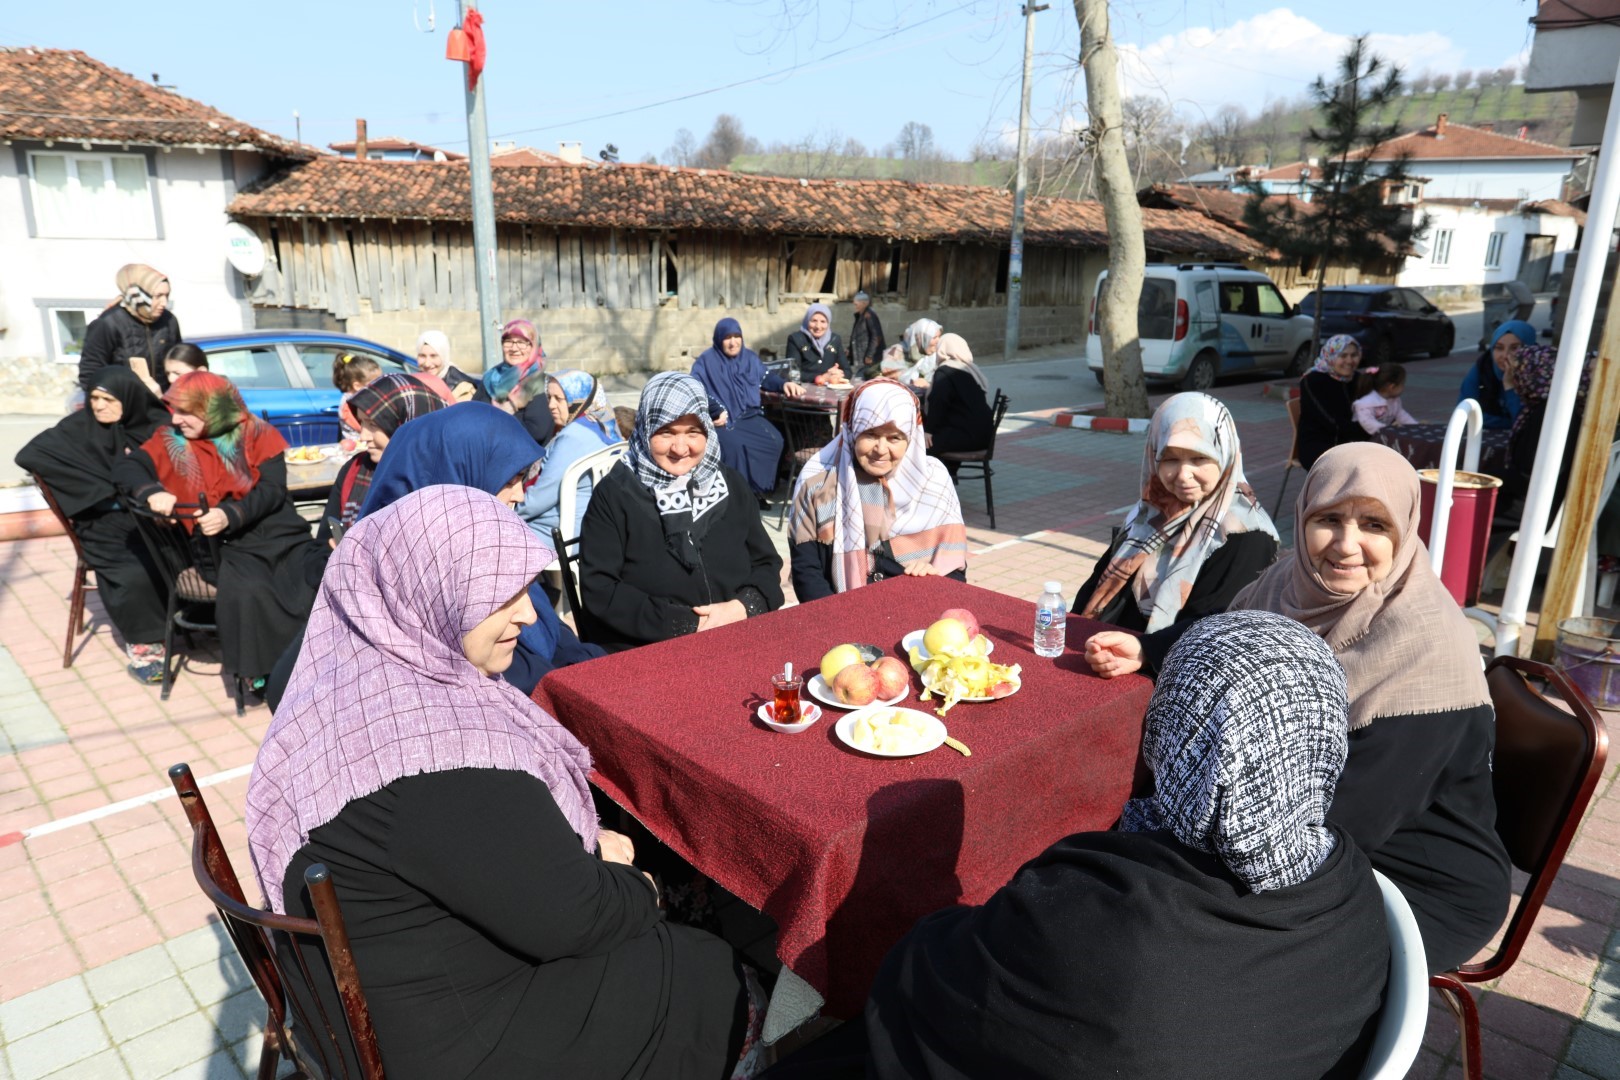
x: 595, y: 464
x: 1406, y: 997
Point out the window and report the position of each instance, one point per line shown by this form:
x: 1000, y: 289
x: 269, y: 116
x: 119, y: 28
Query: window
x: 104, y: 196
x: 1493, y: 251
x: 64, y: 327
x: 1271, y: 301
x: 1441, y: 255
x: 251, y: 368
x: 319, y: 360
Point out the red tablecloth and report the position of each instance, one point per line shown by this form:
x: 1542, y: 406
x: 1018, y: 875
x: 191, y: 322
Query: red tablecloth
x: 814, y: 397
x: 846, y: 851
x: 1421, y: 445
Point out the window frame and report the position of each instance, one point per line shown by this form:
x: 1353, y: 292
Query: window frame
x: 38, y: 229
x: 48, y: 308
x: 1440, y: 254
x: 1493, y: 250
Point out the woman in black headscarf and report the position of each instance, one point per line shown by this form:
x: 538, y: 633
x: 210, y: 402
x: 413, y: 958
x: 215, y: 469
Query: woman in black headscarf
x: 75, y: 460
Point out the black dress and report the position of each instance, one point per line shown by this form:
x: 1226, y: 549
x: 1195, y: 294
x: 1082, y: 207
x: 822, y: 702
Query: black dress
x: 492, y: 945
x: 264, y: 595
x: 1131, y: 955
x: 866, y: 345
x: 958, y: 416
x: 801, y: 353
x: 1326, y: 416
x: 639, y: 592
x: 1230, y: 569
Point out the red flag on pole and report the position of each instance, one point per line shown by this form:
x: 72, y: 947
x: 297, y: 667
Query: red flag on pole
x: 473, y: 24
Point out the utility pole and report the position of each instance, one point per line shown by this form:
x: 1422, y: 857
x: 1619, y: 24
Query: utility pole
x: 483, y: 214
x: 1015, y: 254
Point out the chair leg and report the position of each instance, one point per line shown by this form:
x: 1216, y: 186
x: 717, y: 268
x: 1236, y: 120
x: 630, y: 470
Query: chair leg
x: 168, y: 654
x: 1461, y: 1002
x: 75, y: 614
x: 1280, y: 491
x: 989, y: 499
x: 241, y: 694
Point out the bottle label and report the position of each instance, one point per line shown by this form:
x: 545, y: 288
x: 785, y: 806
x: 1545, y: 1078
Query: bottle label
x: 1043, y: 618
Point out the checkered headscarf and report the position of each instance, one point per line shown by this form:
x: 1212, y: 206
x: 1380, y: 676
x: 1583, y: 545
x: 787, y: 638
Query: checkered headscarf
x: 387, y: 402
x: 667, y: 397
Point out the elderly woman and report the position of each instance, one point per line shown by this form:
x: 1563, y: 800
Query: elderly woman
x: 958, y: 416
x: 1416, y: 793
x: 1182, y: 944
x: 1195, y: 539
x: 433, y: 358
x: 671, y: 543
x: 733, y: 375
x: 219, y: 452
x: 1327, y: 397
x: 1483, y: 382
x: 498, y: 930
x: 815, y: 350
x: 585, y: 424
x: 866, y: 344
x: 138, y: 326
x: 75, y: 459
x: 920, y: 341
x: 871, y: 504
x: 382, y: 407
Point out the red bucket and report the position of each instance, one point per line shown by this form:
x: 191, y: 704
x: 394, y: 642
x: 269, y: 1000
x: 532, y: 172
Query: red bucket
x: 1468, y: 532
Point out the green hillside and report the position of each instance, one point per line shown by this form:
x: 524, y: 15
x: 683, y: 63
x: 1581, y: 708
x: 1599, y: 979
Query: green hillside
x: 984, y: 173
x: 1550, y: 117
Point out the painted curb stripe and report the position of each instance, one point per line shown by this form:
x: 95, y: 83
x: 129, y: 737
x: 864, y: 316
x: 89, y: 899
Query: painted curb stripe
x: 118, y: 807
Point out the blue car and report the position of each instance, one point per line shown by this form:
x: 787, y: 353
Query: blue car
x: 286, y: 374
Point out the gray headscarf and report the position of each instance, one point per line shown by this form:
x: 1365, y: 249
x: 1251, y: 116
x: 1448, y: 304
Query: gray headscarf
x: 683, y: 501
x: 1246, y: 737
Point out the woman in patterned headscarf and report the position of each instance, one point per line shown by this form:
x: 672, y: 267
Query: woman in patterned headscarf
x: 872, y: 504
x: 1182, y: 943
x: 1195, y: 539
x: 382, y: 407
x: 672, y: 544
x: 137, y: 325
x: 1327, y: 397
x: 219, y: 455
x: 1529, y: 375
x: 816, y: 350
x: 585, y: 425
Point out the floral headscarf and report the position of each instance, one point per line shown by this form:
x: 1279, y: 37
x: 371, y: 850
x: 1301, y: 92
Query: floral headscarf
x: 500, y: 380
x: 224, y: 462
x: 1530, y: 376
x: 1332, y: 349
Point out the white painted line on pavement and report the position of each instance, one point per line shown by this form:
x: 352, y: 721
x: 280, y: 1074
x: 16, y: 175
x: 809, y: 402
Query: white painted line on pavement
x: 117, y: 808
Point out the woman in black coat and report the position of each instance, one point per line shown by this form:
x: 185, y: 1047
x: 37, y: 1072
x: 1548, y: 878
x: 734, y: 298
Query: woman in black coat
x: 672, y: 542
x: 140, y: 325
x: 957, y: 414
x: 75, y: 460
x: 815, y: 350
x: 1327, y: 396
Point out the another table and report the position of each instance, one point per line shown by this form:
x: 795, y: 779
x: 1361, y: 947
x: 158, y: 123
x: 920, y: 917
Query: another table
x: 309, y: 479
x: 824, y: 398
x: 843, y: 850
x: 1421, y: 445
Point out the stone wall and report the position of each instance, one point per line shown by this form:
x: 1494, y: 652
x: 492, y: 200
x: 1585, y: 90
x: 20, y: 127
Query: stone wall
x: 36, y: 386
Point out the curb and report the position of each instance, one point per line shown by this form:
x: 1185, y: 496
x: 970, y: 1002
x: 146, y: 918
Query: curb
x: 1120, y: 424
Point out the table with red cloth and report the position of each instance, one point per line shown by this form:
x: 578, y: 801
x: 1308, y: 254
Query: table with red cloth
x: 1421, y: 445
x: 843, y: 850
x: 825, y: 398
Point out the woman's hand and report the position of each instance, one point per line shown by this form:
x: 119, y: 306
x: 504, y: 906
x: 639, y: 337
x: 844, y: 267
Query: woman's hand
x: 213, y: 523
x: 1112, y: 653
x: 162, y: 503
x: 616, y: 847
x: 714, y: 615
x: 720, y: 421
x: 921, y: 569
x: 792, y: 389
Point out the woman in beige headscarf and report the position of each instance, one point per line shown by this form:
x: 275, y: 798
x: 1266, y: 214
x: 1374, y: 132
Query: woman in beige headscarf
x: 957, y: 415
x: 136, y: 331
x: 1416, y: 793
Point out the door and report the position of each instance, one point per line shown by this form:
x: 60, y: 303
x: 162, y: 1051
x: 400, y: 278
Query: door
x: 257, y: 371
x: 1428, y: 321
x: 1273, y: 317
x: 1535, y: 263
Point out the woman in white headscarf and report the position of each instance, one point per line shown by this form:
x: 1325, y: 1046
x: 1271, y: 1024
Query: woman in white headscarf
x: 433, y: 358
x: 958, y: 416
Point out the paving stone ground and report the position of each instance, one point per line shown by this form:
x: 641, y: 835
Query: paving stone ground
x: 111, y: 965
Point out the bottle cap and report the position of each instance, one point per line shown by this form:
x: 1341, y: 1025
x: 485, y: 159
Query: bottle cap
x: 1054, y: 586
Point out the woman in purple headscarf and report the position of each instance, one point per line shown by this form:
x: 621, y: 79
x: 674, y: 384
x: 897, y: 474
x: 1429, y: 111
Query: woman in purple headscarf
x: 733, y: 375
x: 816, y: 350
x: 497, y: 929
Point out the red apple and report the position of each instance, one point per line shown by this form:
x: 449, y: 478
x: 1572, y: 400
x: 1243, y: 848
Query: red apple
x: 1003, y: 689
x: 893, y: 676
x: 857, y: 684
x: 965, y: 617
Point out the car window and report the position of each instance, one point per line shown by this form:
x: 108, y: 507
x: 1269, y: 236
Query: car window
x: 1335, y: 301
x: 318, y: 360
x: 1270, y: 300
x: 1414, y: 301
x: 1156, y: 310
x: 1389, y: 301
x: 1232, y: 297
x: 257, y: 368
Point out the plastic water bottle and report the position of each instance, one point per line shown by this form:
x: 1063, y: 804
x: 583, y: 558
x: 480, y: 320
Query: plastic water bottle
x: 1051, y: 620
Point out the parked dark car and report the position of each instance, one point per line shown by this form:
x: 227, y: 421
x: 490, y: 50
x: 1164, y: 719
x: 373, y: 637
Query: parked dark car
x: 288, y: 373
x: 1388, y: 321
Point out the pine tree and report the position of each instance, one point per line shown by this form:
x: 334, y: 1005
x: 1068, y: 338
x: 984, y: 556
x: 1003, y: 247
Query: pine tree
x: 1348, y: 220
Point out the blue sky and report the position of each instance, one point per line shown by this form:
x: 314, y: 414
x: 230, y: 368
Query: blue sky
x: 857, y: 69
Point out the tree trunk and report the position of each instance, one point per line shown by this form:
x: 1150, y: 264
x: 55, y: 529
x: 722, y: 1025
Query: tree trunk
x: 1124, y: 389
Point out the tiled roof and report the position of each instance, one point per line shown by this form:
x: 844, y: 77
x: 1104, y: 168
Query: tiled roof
x: 393, y: 142
x: 528, y: 155
x: 1288, y: 172
x: 1558, y: 207
x: 64, y: 94
x: 1461, y: 142
x: 658, y: 197
x: 1220, y: 204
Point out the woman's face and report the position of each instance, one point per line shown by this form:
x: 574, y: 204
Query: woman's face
x: 678, y: 446
x: 1187, y: 474
x: 428, y: 358
x: 1351, y: 544
x: 558, y: 402
x: 878, y: 450
x: 105, y: 408
x: 1505, y: 351
x: 817, y: 324
x: 489, y: 645
x: 190, y: 425
x: 512, y: 493
x: 376, y: 438
x: 732, y: 345
x: 176, y: 368
x: 160, y: 299
x: 515, y: 348
x: 1344, y: 365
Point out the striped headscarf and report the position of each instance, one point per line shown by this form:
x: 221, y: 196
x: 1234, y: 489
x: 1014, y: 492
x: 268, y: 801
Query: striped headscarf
x: 914, y: 508
x: 385, y: 403
x: 1167, y: 542
x: 137, y: 284
x: 1332, y: 349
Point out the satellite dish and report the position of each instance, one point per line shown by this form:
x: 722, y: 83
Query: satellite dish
x: 244, y: 249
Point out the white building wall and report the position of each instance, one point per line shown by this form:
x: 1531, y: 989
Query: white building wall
x: 192, y: 192
x: 1464, y: 270
x: 1523, y: 179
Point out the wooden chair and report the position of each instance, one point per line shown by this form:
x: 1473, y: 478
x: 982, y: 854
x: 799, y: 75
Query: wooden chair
x: 318, y: 1020
x: 187, y: 563
x: 980, y: 459
x: 1546, y: 765
x: 568, y: 562
x: 1405, y: 1013
x: 805, y: 431
x: 1293, y: 454
x: 81, y: 572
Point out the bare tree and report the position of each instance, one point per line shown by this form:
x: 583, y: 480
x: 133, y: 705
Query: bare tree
x: 725, y: 141
x: 1271, y: 129
x: 1440, y: 82
x: 915, y: 142
x: 1225, y: 135
x: 1461, y: 80
x: 1508, y: 73
x: 1124, y: 389
x: 683, y: 151
x: 1422, y: 83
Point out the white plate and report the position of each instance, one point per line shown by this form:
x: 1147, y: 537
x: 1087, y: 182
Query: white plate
x: 845, y: 728
x: 915, y: 640
x: 326, y: 452
x: 809, y: 714
x: 823, y: 693
x: 1018, y: 684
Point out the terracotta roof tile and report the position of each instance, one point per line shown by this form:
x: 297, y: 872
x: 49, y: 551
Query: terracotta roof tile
x: 65, y: 94
x: 1223, y: 206
x: 1463, y: 142
x: 393, y: 142
x: 658, y: 197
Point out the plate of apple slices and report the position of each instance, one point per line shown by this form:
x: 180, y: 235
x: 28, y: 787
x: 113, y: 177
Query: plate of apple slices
x: 828, y: 696
x: 978, y: 646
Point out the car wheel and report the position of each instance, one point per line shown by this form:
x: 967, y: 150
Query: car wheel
x: 1382, y: 351
x: 1301, y: 360
x: 1201, y: 375
x: 1445, y: 343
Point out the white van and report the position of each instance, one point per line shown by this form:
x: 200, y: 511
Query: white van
x: 1198, y: 321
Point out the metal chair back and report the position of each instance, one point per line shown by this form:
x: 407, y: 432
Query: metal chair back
x: 307, y: 429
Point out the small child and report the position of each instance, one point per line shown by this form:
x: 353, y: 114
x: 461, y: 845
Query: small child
x: 1379, y: 405
x: 349, y: 373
